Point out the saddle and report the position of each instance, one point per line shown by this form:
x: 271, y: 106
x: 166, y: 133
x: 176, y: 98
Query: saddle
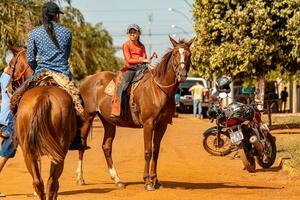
x: 112, y: 88
x: 48, y: 78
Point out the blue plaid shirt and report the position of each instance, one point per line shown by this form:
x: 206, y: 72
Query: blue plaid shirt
x: 50, y: 57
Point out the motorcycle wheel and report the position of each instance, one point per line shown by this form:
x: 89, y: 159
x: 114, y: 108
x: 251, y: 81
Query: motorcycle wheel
x: 247, y: 159
x: 270, y: 153
x: 211, y: 145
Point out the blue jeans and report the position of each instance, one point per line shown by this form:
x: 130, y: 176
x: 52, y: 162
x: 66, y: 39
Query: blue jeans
x: 197, y: 107
x: 7, y: 148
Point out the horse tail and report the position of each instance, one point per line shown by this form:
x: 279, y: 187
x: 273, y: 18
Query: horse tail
x: 41, y: 136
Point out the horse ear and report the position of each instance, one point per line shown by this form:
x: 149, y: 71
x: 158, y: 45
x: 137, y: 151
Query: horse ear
x: 173, y: 41
x: 189, y: 43
x: 13, y: 50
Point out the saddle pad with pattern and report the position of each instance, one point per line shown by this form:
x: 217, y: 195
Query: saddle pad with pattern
x: 49, y: 78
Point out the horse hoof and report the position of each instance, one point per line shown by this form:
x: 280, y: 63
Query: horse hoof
x: 158, y: 186
x: 80, y: 182
x: 120, y: 185
x: 149, y: 187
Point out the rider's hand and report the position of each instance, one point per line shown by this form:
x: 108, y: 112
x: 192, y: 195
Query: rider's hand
x: 146, y: 60
x: 154, y: 55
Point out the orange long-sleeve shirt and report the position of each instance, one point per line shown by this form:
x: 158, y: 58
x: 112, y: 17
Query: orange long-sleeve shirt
x: 132, y: 52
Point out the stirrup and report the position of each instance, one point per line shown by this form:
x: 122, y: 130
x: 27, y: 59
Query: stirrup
x: 3, y: 134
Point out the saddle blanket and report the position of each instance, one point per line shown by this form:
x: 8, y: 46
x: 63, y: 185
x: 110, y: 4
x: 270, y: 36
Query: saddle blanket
x: 49, y: 78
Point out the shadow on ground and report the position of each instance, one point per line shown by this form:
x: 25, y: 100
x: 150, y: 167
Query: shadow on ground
x: 194, y: 186
x: 86, y: 191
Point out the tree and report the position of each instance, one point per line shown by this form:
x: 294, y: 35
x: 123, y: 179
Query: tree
x: 248, y: 38
x: 92, y: 48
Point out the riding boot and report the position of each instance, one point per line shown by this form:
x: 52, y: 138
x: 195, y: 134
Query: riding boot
x: 77, y: 142
x: 3, y: 134
x: 116, y: 102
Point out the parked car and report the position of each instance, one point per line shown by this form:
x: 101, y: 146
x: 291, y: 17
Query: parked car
x: 184, y: 99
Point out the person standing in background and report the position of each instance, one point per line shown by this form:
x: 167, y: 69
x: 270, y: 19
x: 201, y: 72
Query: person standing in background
x: 197, y: 92
x: 283, y: 96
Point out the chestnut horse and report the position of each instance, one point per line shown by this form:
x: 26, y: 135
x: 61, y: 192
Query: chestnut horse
x: 45, y: 124
x: 154, y: 98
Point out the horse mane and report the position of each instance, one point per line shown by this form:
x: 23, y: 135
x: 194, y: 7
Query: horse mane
x: 162, y: 66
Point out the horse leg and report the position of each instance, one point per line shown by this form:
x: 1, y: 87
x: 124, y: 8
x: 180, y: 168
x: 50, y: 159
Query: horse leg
x: 38, y: 184
x: 84, y: 133
x: 158, y: 135
x: 109, y: 135
x: 148, y: 134
x: 3, y: 161
x: 53, y: 184
x: 40, y: 170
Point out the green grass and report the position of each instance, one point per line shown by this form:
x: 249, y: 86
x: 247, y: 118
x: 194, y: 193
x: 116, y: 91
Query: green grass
x: 282, y: 119
x: 288, y: 146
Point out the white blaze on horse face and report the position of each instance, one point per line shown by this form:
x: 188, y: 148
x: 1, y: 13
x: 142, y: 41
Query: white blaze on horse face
x: 181, y: 52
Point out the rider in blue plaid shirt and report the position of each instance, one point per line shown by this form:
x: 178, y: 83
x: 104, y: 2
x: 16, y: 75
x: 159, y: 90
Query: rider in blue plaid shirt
x: 53, y: 52
x: 48, y: 49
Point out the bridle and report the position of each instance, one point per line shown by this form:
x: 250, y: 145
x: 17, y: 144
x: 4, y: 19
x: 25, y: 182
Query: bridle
x: 16, y: 82
x: 174, y: 67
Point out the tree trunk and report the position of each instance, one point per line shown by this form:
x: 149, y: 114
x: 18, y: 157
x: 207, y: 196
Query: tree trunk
x: 294, y: 96
x: 231, y: 94
x: 261, y: 86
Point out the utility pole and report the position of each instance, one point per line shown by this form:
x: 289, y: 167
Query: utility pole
x: 149, y: 32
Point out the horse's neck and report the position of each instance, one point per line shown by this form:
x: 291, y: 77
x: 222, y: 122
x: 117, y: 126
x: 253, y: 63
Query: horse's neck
x: 167, y: 81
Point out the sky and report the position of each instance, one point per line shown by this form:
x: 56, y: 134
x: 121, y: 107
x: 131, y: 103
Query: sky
x: 116, y: 15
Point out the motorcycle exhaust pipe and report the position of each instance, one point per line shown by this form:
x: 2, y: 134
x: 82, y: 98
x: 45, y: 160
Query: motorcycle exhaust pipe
x: 257, y: 144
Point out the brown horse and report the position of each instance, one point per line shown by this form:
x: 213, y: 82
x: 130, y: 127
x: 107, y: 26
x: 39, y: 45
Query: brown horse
x: 154, y: 98
x: 45, y: 124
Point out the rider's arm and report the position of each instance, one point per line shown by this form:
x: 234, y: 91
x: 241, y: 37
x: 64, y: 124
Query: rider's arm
x: 31, y: 52
x: 128, y: 57
x: 69, y: 45
x: 144, y: 55
x: 191, y: 89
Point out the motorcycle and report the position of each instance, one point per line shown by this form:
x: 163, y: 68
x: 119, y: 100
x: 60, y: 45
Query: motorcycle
x: 250, y: 135
x: 242, y: 124
x: 216, y: 140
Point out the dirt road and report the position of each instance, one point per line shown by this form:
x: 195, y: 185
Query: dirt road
x: 185, y: 170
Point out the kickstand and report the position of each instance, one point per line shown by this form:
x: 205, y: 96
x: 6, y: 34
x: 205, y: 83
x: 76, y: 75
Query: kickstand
x: 236, y: 155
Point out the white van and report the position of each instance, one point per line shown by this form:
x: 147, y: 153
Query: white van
x: 184, y: 99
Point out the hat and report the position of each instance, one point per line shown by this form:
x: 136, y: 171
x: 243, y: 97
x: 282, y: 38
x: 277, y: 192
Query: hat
x: 52, y: 8
x: 133, y: 26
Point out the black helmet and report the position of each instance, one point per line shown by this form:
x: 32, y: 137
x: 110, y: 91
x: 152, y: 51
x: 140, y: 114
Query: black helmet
x: 223, y: 84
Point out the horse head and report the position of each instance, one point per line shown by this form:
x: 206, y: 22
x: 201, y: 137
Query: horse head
x: 20, y: 70
x: 181, y: 56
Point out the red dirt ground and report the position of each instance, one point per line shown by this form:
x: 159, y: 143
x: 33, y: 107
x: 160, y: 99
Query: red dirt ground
x: 185, y: 170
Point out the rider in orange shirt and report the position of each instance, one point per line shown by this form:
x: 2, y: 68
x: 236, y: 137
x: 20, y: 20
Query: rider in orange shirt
x: 133, y: 50
x: 135, y: 57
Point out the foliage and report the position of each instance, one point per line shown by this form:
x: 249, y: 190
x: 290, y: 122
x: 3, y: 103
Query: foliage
x: 246, y: 37
x: 92, y: 45
x: 14, y: 26
x: 92, y: 48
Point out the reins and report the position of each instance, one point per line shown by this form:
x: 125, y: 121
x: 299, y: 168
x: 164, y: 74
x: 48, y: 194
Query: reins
x: 16, y: 82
